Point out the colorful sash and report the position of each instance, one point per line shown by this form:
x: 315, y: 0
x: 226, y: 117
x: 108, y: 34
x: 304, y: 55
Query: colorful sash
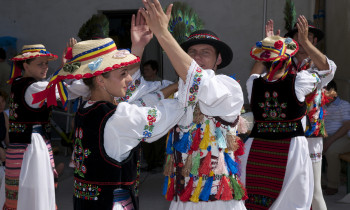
x: 266, y: 168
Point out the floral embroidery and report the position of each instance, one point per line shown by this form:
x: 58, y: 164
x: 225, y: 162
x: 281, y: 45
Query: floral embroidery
x: 142, y: 102
x: 17, y: 127
x: 195, y: 86
x: 151, y: 118
x: 315, y: 155
x: 273, y: 109
x: 130, y: 91
x: 80, y: 153
x: 260, y: 200
x: 86, y: 191
x: 276, y: 127
x: 11, y: 194
x: 13, y: 106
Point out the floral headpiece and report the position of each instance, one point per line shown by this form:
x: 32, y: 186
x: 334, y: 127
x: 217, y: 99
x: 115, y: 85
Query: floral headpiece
x: 275, y: 49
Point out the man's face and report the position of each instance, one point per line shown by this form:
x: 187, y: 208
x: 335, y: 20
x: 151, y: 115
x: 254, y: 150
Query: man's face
x: 205, y: 55
x: 148, y: 72
x: 311, y: 37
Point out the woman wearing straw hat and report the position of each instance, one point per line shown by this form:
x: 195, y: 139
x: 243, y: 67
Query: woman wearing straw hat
x: 276, y: 167
x: 108, y: 134
x: 30, y: 168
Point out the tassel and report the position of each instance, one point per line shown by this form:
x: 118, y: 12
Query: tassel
x: 169, y: 166
x: 187, y: 167
x: 165, y: 185
x: 220, y: 167
x: 196, y: 139
x: 206, y: 138
x: 240, y: 149
x: 236, y: 188
x: 232, y: 166
x: 206, y: 164
x: 219, y: 137
x: 310, y: 98
x: 171, y: 190
x: 69, y: 53
x: 184, y: 144
x: 169, y: 146
x: 195, y: 165
x: 232, y: 144
x: 224, y: 192
x: 242, y: 125
x: 186, y: 194
x: 195, y: 195
x: 204, y: 196
x: 243, y: 190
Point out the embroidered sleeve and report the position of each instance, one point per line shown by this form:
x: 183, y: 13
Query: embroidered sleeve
x: 326, y: 75
x: 138, y: 88
x: 188, y: 90
x: 305, y: 83
x: 131, y: 124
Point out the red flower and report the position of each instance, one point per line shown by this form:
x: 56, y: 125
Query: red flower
x: 278, y: 45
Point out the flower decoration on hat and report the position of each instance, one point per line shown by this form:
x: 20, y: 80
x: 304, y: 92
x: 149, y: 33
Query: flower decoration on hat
x: 275, y: 49
x: 86, y: 59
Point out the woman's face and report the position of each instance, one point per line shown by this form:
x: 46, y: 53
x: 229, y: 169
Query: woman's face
x: 117, y: 82
x: 37, y: 68
x: 2, y: 104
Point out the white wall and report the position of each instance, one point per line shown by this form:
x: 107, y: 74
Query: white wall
x: 338, y: 42
x: 237, y: 22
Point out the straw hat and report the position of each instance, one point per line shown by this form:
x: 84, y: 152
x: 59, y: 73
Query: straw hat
x: 33, y: 51
x: 209, y: 37
x: 93, y: 57
x: 274, y: 47
x: 28, y: 52
x: 86, y: 59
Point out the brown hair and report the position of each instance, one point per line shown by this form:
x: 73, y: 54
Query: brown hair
x: 90, y: 81
x: 3, y: 94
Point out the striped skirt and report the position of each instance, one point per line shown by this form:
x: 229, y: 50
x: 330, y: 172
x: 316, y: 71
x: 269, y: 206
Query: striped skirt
x: 29, y: 176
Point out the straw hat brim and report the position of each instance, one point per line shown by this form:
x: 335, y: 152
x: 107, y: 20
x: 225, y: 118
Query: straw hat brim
x: 34, y: 55
x: 101, y: 64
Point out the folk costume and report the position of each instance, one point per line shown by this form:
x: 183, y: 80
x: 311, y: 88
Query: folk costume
x: 30, y: 171
x: 315, y: 130
x: 107, y: 136
x: 276, y: 167
x: 202, y: 167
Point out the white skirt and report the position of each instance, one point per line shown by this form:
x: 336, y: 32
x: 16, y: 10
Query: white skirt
x: 298, y: 183
x: 212, y: 205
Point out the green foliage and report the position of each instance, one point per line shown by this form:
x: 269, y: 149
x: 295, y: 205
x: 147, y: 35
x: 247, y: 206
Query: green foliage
x: 96, y: 27
x: 289, y: 15
x: 183, y: 21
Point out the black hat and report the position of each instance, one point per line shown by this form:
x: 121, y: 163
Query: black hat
x: 209, y: 37
x: 317, y: 32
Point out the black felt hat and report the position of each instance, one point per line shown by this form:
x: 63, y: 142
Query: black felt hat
x: 317, y: 32
x: 209, y: 37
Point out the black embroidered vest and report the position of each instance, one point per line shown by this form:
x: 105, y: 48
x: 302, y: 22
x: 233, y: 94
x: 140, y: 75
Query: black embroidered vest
x: 97, y: 175
x: 276, y: 109
x: 22, y: 117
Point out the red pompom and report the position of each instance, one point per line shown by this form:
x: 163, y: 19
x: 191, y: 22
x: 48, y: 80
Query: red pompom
x: 69, y: 53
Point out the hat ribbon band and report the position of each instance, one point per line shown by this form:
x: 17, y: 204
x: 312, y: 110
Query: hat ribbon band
x: 33, y: 49
x: 95, y: 52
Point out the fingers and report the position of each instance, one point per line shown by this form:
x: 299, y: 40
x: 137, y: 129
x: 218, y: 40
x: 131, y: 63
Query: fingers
x: 168, y: 10
x: 147, y: 6
x: 157, y: 5
x: 132, y: 20
x: 142, y: 19
x: 278, y: 32
x: 138, y: 18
